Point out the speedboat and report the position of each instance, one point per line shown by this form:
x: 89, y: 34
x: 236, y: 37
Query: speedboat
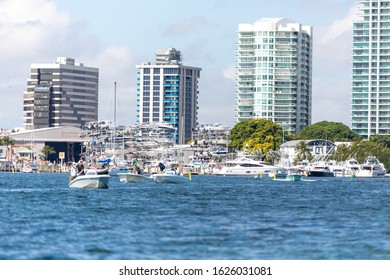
x: 371, y: 168
x: 131, y: 178
x: 91, y: 180
x: 246, y: 167
x: 118, y: 169
x: 170, y: 176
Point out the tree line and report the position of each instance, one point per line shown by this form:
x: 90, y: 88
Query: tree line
x: 262, y: 138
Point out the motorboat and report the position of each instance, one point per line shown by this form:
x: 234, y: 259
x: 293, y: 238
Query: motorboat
x: 347, y: 168
x: 30, y: 168
x: 320, y: 170
x: 246, y: 167
x: 170, y: 176
x: 91, y: 180
x: 294, y: 177
x: 371, y: 168
x: 132, y: 178
x: 278, y: 174
x: 118, y: 169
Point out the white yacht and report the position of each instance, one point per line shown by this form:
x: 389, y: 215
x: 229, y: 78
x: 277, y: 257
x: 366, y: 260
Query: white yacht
x: 371, y: 168
x: 246, y: 167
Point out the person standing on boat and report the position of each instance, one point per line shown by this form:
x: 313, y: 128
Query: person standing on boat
x: 73, y: 172
x: 162, y: 167
x: 80, y: 168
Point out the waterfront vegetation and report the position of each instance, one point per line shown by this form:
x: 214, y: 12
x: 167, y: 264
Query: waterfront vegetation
x: 263, y: 137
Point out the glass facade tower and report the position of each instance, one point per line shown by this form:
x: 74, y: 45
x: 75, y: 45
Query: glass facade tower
x: 371, y: 69
x: 167, y: 92
x: 274, y: 73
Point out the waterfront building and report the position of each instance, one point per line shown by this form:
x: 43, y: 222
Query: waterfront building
x: 63, y: 93
x: 167, y: 92
x: 274, y: 73
x: 371, y: 69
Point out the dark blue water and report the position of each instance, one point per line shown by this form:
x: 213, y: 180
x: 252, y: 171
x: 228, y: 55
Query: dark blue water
x: 210, y: 218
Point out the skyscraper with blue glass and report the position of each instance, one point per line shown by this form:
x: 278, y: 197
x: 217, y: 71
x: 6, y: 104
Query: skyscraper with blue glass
x: 167, y: 91
x: 371, y: 69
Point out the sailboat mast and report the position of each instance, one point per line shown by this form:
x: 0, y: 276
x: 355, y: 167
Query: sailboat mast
x: 114, y: 136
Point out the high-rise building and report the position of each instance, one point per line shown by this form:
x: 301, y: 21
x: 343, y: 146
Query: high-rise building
x: 274, y: 73
x: 63, y: 93
x: 371, y: 69
x: 168, y: 92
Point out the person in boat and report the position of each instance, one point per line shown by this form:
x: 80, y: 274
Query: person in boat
x: 162, y: 167
x: 80, y: 168
x: 73, y: 172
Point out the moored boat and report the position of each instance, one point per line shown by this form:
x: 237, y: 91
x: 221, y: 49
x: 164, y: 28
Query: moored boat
x: 246, y: 167
x: 320, y: 171
x: 371, y: 168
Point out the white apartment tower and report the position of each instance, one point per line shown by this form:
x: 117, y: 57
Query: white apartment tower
x: 63, y: 93
x: 274, y: 73
x: 371, y: 69
x: 167, y: 92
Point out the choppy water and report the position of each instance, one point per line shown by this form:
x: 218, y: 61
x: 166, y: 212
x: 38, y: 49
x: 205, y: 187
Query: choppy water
x: 210, y: 218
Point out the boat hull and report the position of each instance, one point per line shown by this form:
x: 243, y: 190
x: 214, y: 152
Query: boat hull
x: 314, y: 173
x: 131, y: 178
x: 169, y: 179
x: 90, y: 182
x: 293, y: 177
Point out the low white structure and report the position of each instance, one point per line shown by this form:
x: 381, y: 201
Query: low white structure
x: 319, y: 148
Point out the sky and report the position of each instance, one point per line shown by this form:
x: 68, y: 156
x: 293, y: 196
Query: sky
x: 117, y: 35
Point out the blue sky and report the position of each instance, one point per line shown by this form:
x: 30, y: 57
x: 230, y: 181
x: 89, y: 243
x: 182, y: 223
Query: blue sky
x: 116, y: 35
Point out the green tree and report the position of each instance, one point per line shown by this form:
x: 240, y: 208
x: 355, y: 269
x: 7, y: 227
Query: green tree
x: 369, y: 148
x: 383, y: 140
x: 257, y: 135
x: 7, y: 141
x: 273, y: 156
x: 302, y: 152
x: 46, y: 151
x: 333, y: 131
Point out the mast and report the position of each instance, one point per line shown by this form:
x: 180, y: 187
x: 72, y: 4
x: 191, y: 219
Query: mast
x: 114, y: 136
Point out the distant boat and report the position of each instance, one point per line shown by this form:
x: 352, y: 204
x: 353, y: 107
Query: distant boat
x: 320, y: 171
x: 246, y: 167
x: 132, y: 178
x: 118, y: 169
x: 371, y: 168
x: 171, y: 177
x: 91, y: 180
x: 30, y: 168
x: 294, y: 177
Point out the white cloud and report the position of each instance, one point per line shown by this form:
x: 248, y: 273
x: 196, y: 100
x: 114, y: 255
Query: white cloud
x: 28, y: 27
x: 229, y: 72
x: 332, y: 70
x: 35, y: 31
x: 117, y: 64
x: 185, y: 26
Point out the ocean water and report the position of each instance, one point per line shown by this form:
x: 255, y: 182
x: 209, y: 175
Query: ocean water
x: 210, y: 218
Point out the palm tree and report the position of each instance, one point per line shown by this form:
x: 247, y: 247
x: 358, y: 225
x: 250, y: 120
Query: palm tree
x: 302, y: 152
x: 7, y: 141
x: 47, y: 150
